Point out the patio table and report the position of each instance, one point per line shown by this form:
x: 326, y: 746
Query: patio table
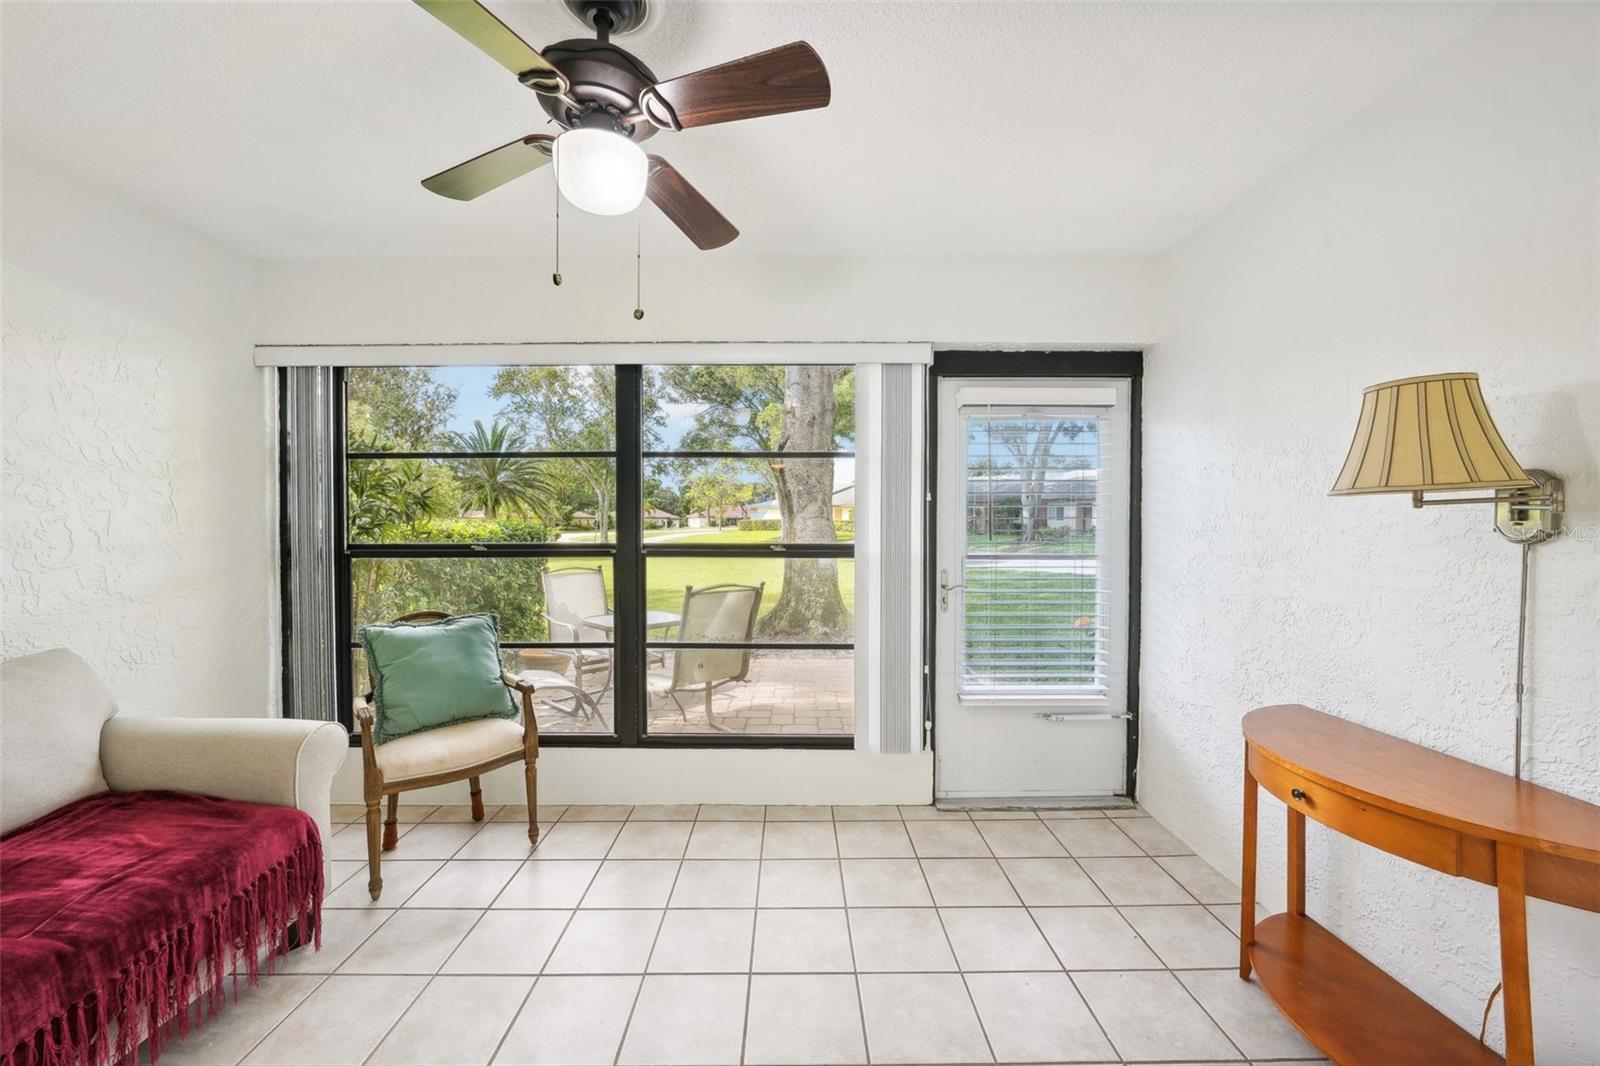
x: 652, y: 620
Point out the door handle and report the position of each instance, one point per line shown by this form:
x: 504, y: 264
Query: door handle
x: 945, y: 588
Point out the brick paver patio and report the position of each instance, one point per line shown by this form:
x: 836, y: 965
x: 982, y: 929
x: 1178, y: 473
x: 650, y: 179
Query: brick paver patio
x: 801, y: 692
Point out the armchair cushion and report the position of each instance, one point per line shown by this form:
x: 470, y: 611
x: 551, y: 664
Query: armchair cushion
x: 431, y: 674
x: 449, y: 749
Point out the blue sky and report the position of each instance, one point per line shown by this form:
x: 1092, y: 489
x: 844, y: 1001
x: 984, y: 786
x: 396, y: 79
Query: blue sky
x: 473, y: 402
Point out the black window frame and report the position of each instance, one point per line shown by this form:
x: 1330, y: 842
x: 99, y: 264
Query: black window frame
x: 628, y: 554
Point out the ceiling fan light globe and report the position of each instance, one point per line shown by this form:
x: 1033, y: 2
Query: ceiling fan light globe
x: 599, y: 171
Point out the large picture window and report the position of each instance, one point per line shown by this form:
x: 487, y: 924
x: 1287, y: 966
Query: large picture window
x: 670, y: 548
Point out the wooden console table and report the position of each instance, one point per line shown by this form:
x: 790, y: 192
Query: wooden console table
x: 1444, y: 813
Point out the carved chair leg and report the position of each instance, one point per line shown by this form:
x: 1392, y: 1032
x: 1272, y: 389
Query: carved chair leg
x: 374, y: 851
x: 530, y: 772
x: 477, y: 798
x: 391, y: 826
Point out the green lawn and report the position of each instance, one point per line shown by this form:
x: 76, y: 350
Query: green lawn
x: 1067, y: 544
x: 687, y: 536
x: 1043, y: 623
x: 665, y: 579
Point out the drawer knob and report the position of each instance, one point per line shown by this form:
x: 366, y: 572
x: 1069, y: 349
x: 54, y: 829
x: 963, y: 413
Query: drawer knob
x: 1298, y: 793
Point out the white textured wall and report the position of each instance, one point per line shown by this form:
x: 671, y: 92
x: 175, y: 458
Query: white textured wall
x: 136, y: 523
x: 1013, y: 302
x: 1451, y: 226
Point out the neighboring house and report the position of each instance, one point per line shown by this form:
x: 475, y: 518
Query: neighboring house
x: 1059, y: 499
x: 706, y: 519
x: 844, y: 506
x: 654, y: 518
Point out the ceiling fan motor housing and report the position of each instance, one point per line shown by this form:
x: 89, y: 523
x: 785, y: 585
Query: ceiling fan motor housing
x: 600, y: 75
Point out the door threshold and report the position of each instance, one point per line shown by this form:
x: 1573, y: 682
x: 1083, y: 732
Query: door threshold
x: 1034, y: 803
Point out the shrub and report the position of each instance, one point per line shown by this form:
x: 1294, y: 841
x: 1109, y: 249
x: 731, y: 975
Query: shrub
x: 478, y: 531
x: 762, y: 524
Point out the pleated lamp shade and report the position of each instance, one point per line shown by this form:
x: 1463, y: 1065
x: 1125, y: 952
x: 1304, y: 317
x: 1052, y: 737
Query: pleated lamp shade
x: 1427, y: 433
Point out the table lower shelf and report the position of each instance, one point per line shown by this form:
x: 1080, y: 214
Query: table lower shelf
x: 1352, y: 1011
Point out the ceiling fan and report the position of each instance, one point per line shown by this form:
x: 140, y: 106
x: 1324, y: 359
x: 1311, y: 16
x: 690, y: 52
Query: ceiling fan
x: 607, y: 101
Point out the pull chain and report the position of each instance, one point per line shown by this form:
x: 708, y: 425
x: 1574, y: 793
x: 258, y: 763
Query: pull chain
x: 556, y: 277
x: 638, y: 269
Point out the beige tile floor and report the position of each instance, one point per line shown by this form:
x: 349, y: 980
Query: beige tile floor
x: 777, y: 935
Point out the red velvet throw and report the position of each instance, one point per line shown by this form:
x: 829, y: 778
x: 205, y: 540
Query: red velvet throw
x: 117, y: 910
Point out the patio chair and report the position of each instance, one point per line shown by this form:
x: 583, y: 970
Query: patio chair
x: 547, y: 669
x: 714, y: 614
x: 572, y: 594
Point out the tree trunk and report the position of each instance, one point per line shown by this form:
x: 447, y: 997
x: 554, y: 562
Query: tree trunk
x: 810, y: 604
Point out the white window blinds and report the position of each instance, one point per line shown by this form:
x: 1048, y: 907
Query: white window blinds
x: 1044, y: 559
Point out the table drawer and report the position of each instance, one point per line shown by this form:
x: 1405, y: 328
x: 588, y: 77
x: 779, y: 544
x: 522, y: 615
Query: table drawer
x: 1429, y: 845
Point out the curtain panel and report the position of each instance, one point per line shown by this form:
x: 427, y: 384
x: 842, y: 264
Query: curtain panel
x: 306, y: 518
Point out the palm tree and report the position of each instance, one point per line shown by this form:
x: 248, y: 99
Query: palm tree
x: 493, y: 482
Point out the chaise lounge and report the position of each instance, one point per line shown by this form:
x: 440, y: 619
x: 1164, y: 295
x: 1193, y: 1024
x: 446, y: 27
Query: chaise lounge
x: 142, y: 860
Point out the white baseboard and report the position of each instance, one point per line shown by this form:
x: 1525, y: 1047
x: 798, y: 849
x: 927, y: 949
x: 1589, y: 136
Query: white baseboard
x: 689, y: 775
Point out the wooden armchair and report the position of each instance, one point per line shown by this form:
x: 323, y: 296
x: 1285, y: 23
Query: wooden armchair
x: 463, y: 751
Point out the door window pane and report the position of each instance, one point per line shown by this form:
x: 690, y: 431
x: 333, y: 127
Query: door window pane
x: 1034, y: 614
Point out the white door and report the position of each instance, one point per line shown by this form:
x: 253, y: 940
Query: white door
x: 1031, y: 601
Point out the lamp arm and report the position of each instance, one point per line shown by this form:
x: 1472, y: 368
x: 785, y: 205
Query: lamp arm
x: 1546, y: 502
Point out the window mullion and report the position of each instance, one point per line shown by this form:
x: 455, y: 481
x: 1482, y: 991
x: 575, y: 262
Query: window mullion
x: 628, y: 581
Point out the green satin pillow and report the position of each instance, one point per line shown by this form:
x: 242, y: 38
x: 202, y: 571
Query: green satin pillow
x: 431, y: 674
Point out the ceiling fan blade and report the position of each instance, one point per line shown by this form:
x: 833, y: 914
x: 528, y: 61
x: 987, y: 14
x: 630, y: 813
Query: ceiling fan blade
x: 492, y: 169
x: 688, y: 210
x: 497, y: 40
x: 790, y: 78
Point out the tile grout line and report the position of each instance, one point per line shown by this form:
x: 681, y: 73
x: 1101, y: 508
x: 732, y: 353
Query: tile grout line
x: 1170, y: 970
x: 622, y: 1041
x: 521, y: 1006
x: 1053, y: 954
x: 939, y: 914
x: 755, y: 918
x: 274, y: 1027
x: 399, y: 1017
x: 850, y: 938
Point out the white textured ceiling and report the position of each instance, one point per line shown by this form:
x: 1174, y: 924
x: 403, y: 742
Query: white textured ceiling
x: 302, y: 129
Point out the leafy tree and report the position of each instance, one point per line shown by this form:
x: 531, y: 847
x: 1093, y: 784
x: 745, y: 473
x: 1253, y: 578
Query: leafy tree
x: 574, y: 409
x: 782, y: 408
x: 397, y: 408
x: 511, y: 588
x: 386, y: 495
x: 494, y: 483
x: 716, y: 491
x: 665, y: 495
x: 1027, y: 454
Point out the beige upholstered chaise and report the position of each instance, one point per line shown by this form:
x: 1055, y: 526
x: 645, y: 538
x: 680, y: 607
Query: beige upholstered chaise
x: 63, y: 740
